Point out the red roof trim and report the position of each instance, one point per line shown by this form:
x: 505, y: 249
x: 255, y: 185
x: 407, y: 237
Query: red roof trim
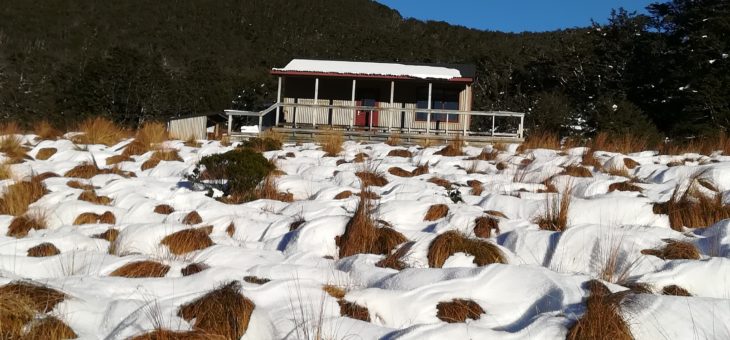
x: 362, y: 76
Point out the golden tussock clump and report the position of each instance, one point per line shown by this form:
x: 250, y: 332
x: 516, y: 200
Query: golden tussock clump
x: 400, y: 153
x: 440, y: 182
x: 194, y: 268
x: 693, y: 208
x: 99, y: 130
x: 161, y: 155
x: 589, y: 159
x: 495, y: 213
x: 540, y: 140
x: 555, y: 216
x: 624, y: 144
x: 20, y: 302
x: 484, y: 225
x: 331, y: 142
x: 602, y: 318
x: 395, y: 259
x: 577, y: 171
x: 630, y: 163
x: 476, y: 187
x: 90, y: 218
x: 368, y: 194
x: 150, y: 135
x: 188, y: 240
x: 91, y: 197
x: 624, y: 186
x: 110, y: 235
x: 363, y: 236
x: 452, y: 242
x: 360, y: 157
x: 458, y: 310
x: 223, y: 311
x: 268, y: 190
x: 485, y: 156
x: 343, y: 195
x: 165, y: 334
x: 15, y: 312
x: 354, y: 311
x: 192, y: 218
x: 393, y: 139
x: 41, y: 299
x: 231, y: 229
x: 675, y: 250
x: 12, y: 147
x: 371, y: 178
x: 88, y: 170
x: 420, y: 170
x: 49, y: 328
x: 21, y: 225
x: 108, y: 218
x: 45, y: 153
x: 454, y: 148
x: 43, y: 250
x: 5, y: 171
x: 78, y: 185
x: 141, y: 269
x: 164, y: 209
x: 116, y: 159
x: 20, y: 195
x: 675, y: 290
x: 397, y: 171
x: 334, y: 291
x: 45, y: 131
x: 256, y: 280
x: 436, y: 211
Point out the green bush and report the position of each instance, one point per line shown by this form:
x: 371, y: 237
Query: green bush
x: 262, y: 144
x: 236, y: 172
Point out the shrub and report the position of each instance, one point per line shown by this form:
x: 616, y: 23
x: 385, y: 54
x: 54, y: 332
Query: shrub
x: 99, y: 130
x: 43, y: 250
x: 141, y: 269
x: 234, y: 172
x: 602, y: 318
x: 675, y: 250
x: 223, y: 311
x: 458, y: 310
x: 188, y: 240
x: 20, y: 195
x: 262, y: 144
x: 452, y: 242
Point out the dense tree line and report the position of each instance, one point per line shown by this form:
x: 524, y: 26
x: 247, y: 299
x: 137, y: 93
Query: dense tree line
x: 666, y: 73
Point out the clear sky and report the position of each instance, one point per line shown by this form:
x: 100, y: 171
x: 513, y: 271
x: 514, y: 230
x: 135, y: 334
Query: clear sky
x: 515, y: 15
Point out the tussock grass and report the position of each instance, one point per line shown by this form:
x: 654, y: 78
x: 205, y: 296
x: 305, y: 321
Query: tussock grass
x: 21, y: 225
x: 400, y: 172
x: 15, y: 312
x: 393, y: 139
x: 194, y: 268
x: 540, y: 140
x: 165, y: 334
x: 192, y: 218
x: 20, y: 301
x: 400, y: 153
x: 43, y: 250
x: 331, y: 142
x: 420, y: 170
x: 108, y: 218
x: 555, y: 215
x: 675, y: 290
x: 370, y: 177
x: 188, y: 240
x: 436, y: 212
x: 49, y: 328
x: 86, y: 218
x: 46, y: 131
x: 675, y: 250
x: 452, y: 242
x: 484, y: 225
x: 589, y: 159
x: 192, y: 142
x: 602, y: 318
x: 116, y: 159
x: 13, y: 149
x: 231, y: 229
x: 486, y: 156
x: 476, y: 187
x: 353, y: 311
x: 360, y: 157
x: 630, y: 163
x: 343, y: 195
x: 5, y: 171
x: 164, y: 209
x: 20, y: 195
x: 363, y: 236
x: 223, y: 311
x: 99, y: 130
x: 161, y: 155
x: 458, y: 310
x: 625, y: 143
x: 577, y: 171
x: 78, y: 185
x: 440, y: 182
x: 141, y: 269
x: 267, y: 190
x: 336, y: 292
x: 395, y: 259
x: 110, y: 235
x: 41, y: 299
x: 693, y: 208
x: 88, y: 170
x: 624, y: 186
x: 256, y: 280
x: 453, y: 149
x: 91, y: 197
x: 45, y: 153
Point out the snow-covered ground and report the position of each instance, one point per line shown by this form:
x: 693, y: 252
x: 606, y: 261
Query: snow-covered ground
x: 538, y: 294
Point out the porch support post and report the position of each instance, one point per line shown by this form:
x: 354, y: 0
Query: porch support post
x: 230, y: 124
x: 352, y: 119
x: 468, y: 101
x: 464, y: 118
x: 261, y: 121
x: 428, y: 114
x: 316, y: 96
x: 494, y: 117
x: 521, y: 130
x: 391, y: 113
x: 278, y: 103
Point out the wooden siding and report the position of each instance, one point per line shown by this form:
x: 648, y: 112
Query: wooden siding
x: 188, y: 127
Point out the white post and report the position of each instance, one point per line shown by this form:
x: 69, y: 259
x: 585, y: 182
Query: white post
x: 230, y: 124
x: 352, y: 120
x: 468, y: 102
x: 316, y: 95
x: 261, y: 118
x: 428, y: 114
x: 464, y: 117
x: 278, y: 103
x: 494, y: 117
x: 391, y: 112
x: 521, y: 131
x: 446, y: 130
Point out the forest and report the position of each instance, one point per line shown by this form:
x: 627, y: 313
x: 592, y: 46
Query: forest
x: 664, y: 74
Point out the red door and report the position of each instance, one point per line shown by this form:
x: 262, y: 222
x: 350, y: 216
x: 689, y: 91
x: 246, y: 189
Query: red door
x: 362, y: 117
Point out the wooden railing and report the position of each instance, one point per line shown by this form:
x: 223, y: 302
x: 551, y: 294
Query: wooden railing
x: 517, y: 131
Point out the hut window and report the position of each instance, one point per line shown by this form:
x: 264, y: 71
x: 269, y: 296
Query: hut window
x: 441, y: 99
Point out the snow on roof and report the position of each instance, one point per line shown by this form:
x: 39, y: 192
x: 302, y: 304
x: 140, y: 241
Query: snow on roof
x: 376, y: 69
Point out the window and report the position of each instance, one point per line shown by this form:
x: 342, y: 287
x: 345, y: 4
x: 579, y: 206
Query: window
x: 441, y: 99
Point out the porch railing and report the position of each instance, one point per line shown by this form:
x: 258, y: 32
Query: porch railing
x: 517, y: 125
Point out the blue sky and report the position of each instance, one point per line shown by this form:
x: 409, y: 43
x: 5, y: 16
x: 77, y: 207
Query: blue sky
x: 515, y: 15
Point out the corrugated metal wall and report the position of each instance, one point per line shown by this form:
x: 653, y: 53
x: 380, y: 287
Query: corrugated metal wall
x: 188, y: 127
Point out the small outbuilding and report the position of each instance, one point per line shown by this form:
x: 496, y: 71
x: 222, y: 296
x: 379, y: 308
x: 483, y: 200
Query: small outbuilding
x: 198, y: 126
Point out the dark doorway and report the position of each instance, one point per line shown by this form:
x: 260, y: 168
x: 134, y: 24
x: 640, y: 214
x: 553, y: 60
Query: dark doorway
x: 367, y: 97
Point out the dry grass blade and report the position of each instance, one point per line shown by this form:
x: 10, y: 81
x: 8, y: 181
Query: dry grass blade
x: 141, y: 269
x: 223, y: 311
x: 452, y: 242
x: 458, y: 310
x: 188, y: 240
x: 602, y: 318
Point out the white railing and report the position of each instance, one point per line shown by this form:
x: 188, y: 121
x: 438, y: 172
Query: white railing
x: 464, y: 125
